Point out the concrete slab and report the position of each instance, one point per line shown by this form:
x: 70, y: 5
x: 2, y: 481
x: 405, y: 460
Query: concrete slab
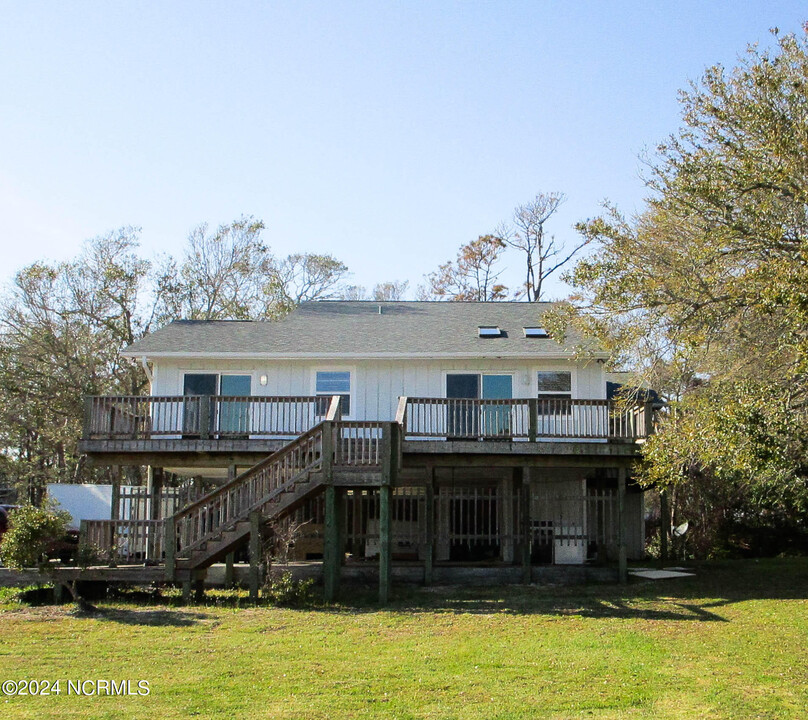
x: 648, y: 574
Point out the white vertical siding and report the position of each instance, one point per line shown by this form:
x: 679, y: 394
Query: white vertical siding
x: 377, y: 384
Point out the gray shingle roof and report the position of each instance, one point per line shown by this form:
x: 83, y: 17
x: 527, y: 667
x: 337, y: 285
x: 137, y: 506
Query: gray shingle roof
x: 363, y: 329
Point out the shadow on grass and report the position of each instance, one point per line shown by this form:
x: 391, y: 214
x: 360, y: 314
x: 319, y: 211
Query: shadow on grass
x: 693, y: 599
x: 556, y: 602
x: 152, y: 618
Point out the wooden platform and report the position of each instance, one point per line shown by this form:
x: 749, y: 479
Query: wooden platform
x: 351, y: 573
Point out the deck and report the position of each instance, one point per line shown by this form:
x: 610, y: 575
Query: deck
x: 377, y: 481
x: 220, y: 431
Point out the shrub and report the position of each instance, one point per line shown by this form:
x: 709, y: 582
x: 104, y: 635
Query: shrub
x: 285, y: 591
x: 32, y: 532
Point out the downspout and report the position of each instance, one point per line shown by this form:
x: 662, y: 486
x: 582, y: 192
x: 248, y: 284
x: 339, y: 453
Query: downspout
x: 149, y: 373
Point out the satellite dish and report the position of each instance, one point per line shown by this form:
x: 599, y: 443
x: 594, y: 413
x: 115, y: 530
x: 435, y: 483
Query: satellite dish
x: 680, y: 530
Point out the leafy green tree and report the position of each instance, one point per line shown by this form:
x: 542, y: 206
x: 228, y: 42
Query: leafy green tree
x: 61, y: 327
x: 704, y: 294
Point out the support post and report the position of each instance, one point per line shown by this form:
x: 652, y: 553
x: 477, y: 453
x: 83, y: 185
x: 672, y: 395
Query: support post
x: 255, y: 554
x: 649, y: 419
x: 155, y: 479
x: 533, y: 419
x: 429, y: 558
x: 115, y: 509
x: 114, y: 514
x: 524, y: 503
x: 508, y: 528
x: 332, y: 542
x: 229, y: 559
x: 327, y: 452
x: 170, y: 542
x: 664, y: 526
x: 204, y: 417
x: 199, y: 585
x: 58, y: 592
x: 229, y: 572
x: 89, y: 428
x: 385, y: 544
x: 621, y: 525
x: 390, y: 467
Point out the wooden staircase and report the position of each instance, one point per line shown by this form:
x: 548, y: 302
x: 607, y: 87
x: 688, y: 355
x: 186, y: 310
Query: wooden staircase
x: 205, y: 531
x: 236, y: 534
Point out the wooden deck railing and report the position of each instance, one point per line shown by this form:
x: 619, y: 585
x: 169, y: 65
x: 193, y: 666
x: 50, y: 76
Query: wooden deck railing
x: 215, y: 416
x: 143, y: 417
x: 358, y: 443
x: 125, y: 541
x: 523, y: 419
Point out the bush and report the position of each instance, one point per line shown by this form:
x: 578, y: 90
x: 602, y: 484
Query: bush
x: 86, y: 555
x: 31, y: 534
x: 285, y: 591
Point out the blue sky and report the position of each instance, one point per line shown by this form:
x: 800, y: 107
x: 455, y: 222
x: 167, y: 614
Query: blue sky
x: 384, y: 133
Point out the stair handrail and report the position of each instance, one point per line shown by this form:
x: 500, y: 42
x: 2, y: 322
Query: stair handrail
x: 231, y: 511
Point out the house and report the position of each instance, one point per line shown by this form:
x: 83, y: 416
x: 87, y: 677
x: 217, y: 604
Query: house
x: 429, y: 435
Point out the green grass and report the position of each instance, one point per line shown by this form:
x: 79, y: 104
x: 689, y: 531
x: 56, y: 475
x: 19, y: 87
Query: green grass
x: 731, y: 643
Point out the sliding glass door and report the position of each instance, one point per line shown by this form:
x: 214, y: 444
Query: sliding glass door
x: 231, y: 415
x: 197, y: 410
x: 474, y: 419
x: 496, y: 419
x: 462, y: 420
x: 234, y: 415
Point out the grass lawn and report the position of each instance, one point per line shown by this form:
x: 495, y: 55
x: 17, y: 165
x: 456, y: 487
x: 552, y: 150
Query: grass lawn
x: 731, y: 643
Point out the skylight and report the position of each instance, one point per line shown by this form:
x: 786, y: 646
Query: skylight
x: 536, y: 332
x: 489, y: 331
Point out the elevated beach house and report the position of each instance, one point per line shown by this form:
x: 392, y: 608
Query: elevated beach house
x: 425, y: 438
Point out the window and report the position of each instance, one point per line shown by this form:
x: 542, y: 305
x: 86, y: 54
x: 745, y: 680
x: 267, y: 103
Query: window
x: 535, y: 332
x: 554, y: 385
x: 489, y: 331
x: 331, y: 382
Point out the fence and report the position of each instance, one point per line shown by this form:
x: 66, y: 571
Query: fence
x: 125, y: 541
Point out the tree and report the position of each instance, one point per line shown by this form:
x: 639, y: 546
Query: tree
x: 391, y: 290
x: 228, y: 273
x: 705, y: 291
x: 61, y: 327
x: 32, y: 532
x: 471, y: 276
x: 303, y: 277
x: 543, y: 254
